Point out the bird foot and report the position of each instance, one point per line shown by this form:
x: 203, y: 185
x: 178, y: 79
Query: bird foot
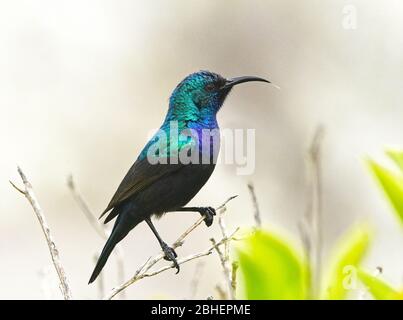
x: 208, y: 213
x: 170, y: 255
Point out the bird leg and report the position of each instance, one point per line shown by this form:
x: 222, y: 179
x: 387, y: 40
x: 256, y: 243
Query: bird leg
x: 169, y: 252
x: 207, y: 212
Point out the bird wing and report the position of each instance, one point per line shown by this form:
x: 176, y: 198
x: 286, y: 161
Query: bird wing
x: 143, y: 173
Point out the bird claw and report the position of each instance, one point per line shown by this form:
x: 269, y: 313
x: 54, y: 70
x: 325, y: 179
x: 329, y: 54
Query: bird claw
x: 170, y: 255
x: 208, y: 213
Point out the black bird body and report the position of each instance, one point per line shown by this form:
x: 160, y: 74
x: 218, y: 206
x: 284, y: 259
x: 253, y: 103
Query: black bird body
x: 162, y: 195
x: 156, y: 188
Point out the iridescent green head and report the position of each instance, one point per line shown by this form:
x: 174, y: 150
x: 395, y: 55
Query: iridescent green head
x: 200, y: 95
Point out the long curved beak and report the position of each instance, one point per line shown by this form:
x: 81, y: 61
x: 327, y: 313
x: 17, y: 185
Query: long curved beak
x: 234, y: 81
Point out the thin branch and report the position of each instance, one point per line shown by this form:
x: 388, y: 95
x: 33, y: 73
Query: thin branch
x: 102, y: 232
x: 224, y: 256
x: 311, y: 226
x: 225, y: 266
x: 220, y: 208
x: 224, y: 231
x: 128, y: 283
x: 98, y: 227
x: 222, y: 294
x: 258, y: 219
x: 304, y: 230
x: 142, y: 271
x: 180, y: 261
x: 28, y: 192
x: 224, y: 204
x: 234, y: 270
x: 17, y: 188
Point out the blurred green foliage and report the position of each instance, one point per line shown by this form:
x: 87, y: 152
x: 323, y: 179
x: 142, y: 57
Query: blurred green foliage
x: 391, y: 181
x: 379, y: 289
x: 272, y: 267
x: 345, y: 259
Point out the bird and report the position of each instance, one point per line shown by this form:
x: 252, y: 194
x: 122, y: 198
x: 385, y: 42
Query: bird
x: 170, y: 170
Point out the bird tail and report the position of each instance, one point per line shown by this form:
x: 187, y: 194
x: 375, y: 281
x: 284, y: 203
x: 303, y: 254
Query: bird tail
x: 111, y: 215
x: 120, y: 230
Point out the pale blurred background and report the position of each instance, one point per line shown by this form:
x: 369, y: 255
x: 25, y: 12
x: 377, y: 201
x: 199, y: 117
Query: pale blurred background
x: 83, y: 82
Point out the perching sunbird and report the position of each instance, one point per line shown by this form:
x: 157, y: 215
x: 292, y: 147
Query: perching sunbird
x: 175, y: 164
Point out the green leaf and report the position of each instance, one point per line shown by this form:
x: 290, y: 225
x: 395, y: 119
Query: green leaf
x: 397, y: 157
x: 379, y: 289
x: 271, y: 268
x: 391, y: 183
x: 345, y: 259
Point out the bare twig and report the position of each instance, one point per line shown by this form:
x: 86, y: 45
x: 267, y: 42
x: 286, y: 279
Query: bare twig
x: 311, y: 225
x: 179, y: 241
x: 222, y: 294
x: 142, y: 272
x: 224, y: 231
x: 304, y: 233
x: 225, y: 266
x: 258, y: 220
x: 128, y: 283
x: 188, y: 258
x: 224, y: 255
x: 28, y: 192
x: 102, y: 232
x: 98, y: 227
x: 223, y: 205
x: 234, y: 270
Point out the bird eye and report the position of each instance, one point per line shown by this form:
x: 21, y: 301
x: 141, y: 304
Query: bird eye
x: 210, y: 87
